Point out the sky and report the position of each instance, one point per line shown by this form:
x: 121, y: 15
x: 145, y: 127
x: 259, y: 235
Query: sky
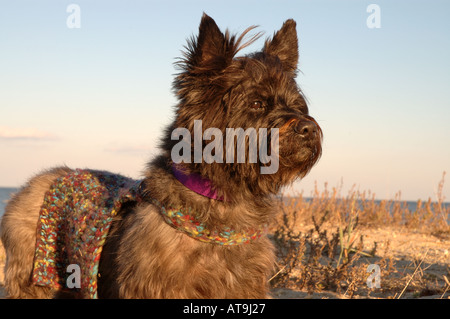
x: 98, y: 96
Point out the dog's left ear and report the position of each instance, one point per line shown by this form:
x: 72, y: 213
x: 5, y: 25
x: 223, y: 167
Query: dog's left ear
x: 284, y: 45
x: 208, y: 51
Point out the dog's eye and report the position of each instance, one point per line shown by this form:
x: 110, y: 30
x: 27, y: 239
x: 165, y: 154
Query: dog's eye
x: 257, y: 105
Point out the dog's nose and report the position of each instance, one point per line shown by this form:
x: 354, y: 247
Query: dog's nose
x: 306, y: 129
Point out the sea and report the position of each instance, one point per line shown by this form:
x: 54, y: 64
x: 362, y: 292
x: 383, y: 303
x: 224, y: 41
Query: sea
x: 5, y: 194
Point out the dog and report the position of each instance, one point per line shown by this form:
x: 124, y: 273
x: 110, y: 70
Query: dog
x: 191, y: 228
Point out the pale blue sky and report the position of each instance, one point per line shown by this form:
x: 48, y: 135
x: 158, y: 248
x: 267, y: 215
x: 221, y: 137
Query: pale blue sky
x: 100, y: 95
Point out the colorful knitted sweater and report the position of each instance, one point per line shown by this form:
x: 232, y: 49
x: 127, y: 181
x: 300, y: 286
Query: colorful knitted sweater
x: 73, y: 224
x: 77, y: 214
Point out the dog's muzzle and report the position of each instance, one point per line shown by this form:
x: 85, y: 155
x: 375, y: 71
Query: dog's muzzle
x: 305, y: 127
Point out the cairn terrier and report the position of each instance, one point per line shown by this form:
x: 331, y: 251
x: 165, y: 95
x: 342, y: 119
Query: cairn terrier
x: 195, y: 226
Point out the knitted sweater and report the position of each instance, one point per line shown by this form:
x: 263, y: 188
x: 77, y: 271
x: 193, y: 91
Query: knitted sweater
x: 76, y: 216
x: 74, y: 221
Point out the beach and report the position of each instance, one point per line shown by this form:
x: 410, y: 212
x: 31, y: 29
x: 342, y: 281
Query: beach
x: 423, y: 258
x: 326, y: 244
x: 406, y: 250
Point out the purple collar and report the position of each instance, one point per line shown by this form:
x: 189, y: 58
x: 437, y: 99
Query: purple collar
x: 196, y: 183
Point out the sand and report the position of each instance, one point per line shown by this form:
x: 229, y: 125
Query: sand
x: 406, y: 249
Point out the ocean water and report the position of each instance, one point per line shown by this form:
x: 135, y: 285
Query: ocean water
x: 5, y: 194
x: 389, y: 205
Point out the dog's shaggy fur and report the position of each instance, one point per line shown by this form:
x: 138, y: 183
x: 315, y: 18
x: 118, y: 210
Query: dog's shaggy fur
x: 143, y: 256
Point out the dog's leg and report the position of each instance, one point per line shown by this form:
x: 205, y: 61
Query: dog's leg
x: 18, y: 235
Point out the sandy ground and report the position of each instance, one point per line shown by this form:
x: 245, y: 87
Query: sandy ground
x: 406, y: 249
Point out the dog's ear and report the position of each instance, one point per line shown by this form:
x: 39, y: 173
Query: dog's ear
x: 284, y: 45
x: 209, y: 49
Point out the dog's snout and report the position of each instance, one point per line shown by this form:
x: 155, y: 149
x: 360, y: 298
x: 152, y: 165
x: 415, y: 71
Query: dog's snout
x: 306, y: 129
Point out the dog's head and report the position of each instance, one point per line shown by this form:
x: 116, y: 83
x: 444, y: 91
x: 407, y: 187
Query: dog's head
x: 225, y: 101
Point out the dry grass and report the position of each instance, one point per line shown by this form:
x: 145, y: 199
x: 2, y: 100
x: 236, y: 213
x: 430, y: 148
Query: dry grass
x: 318, y: 260
x: 320, y: 246
x: 429, y: 217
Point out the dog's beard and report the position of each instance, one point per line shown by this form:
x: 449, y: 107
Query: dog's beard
x: 295, y: 158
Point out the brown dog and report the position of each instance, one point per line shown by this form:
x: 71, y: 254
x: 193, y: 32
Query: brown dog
x: 194, y: 227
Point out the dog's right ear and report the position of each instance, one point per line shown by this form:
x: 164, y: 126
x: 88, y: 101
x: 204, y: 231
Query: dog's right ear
x: 284, y: 45
x: 208, y: 50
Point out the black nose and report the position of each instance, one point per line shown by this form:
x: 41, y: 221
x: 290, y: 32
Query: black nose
x: 306, y: 129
